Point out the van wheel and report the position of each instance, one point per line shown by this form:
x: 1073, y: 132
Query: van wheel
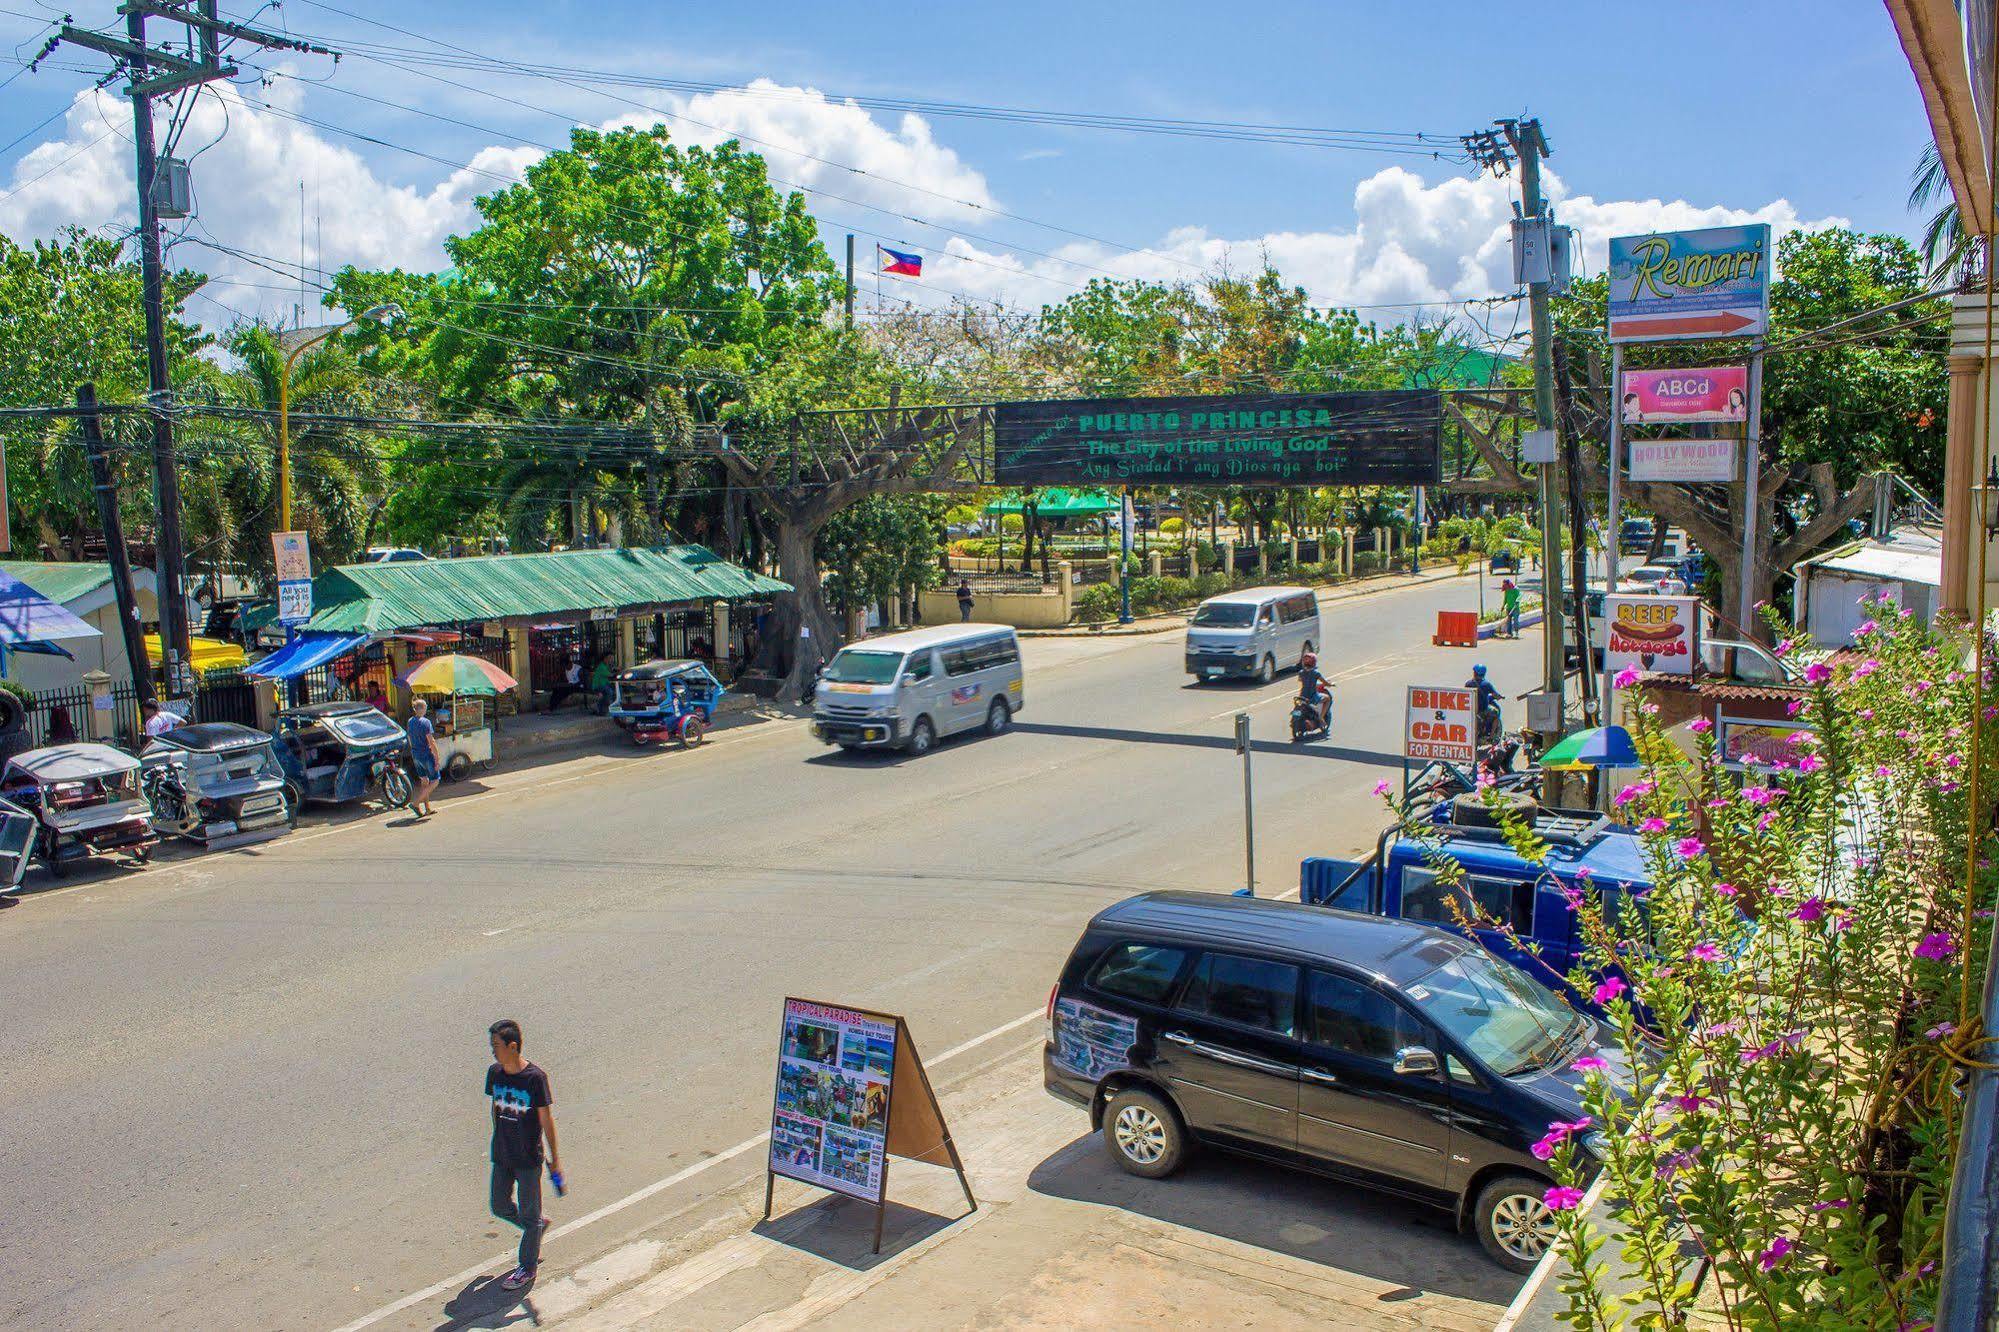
x: 997, y: 717
x: 922, y: 736
x: 1514, y: 1225
x: 1267, y: 671
x: 1143, y: 1134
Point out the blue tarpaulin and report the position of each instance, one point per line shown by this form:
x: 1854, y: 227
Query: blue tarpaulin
x: 305, y: 652
x: 28, y: 620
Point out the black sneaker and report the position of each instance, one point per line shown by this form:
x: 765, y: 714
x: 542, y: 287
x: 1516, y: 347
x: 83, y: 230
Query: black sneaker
x: 518, y: 1278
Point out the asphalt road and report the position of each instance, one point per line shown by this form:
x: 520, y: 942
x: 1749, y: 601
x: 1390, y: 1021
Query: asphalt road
x: 243, y: 1090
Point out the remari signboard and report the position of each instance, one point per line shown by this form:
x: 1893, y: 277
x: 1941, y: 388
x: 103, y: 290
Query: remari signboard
x: 1667, y: 286
x: 1387, y: 438
x: 1440, y: 724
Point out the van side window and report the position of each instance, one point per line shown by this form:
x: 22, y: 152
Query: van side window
x: 1138, y: 971
x: 919, y: 665
x: 958, y: 661
x: 1296, y: 610
x: 1356, y: 1019
x: 1247, y: 991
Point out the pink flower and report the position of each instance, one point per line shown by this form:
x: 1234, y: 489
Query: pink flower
x: 1725, y: 889
x: 1562, y: 1198
x: 1763, y: 823
x: 1941, y: 1030
x: 1626, y: 677
x: 1836, y: 1205
x: 1588, y: 1063
x: 1783, y: 646
x: 1842, y: 922
x: 1883, y: 770
x: 1810, y: 911
x: 1866, y: 627
x: 1653, y: 825
x: 1866, y: 668
x: 1635, y: 791
x: 1608, y: 990
x: 1953, y: 760
x: 1704, y: 952
x: 1886, y: 594
x: 1794, y: 707
x: 1381, y: 788
x: 1810, y: 763
x: 1761, y: 795
x: 1700, y: 726
x: 1817, y: 673
x: 1689, y: 847
x: 1677, y: 1162
x: 1774, y: 1254
x: 1936, y: 946
x: 1687, y: 1104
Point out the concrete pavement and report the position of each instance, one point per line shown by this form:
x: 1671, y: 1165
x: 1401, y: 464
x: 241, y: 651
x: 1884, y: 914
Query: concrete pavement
x: 243, y: 1090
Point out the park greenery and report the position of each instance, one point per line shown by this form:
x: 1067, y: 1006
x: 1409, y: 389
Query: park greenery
x: 633, y: 299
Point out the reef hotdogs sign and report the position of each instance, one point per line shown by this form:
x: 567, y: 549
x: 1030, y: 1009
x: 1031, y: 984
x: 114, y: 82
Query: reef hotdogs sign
x: 1385, y: 438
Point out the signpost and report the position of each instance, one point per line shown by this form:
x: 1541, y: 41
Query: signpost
x: 1675, y: 285
x: 292, y: 552
x: 1683, y: 460
x: 1653, y: 633
x: 1244, y: 748
x: 1386, y: 438
x: 851, y: 1092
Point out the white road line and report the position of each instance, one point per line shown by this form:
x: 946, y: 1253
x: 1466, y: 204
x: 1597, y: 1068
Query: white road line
x: 632, y: 1199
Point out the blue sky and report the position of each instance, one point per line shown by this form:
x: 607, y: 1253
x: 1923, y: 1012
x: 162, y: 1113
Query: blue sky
x: 1714, y: 111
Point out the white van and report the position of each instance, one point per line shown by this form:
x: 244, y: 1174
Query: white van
x: 1256, y: 632
x: 909, y: 690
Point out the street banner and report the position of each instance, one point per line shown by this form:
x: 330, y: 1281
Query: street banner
x: 1674, y: 285
x: 1683, y: 459
x: 294, y: 602
x: 1652, y: 633
x: 1385, y: 438
x: 851, y: 1092
x: 1440, y: 724
x: 1745, y: 742
x: 293, y: 554
x: 1676, y: 397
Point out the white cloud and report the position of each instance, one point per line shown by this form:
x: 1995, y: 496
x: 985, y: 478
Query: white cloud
x: 1410, y: 240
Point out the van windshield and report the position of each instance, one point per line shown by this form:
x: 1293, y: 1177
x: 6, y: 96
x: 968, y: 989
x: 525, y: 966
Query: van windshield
x: 1226, y: 614
x: 1508, y: 1020
x: 853, y: 666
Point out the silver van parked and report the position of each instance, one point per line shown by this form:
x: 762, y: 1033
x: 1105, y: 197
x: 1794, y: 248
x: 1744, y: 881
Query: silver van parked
x: 909, y: 690
x: 1256, y: 632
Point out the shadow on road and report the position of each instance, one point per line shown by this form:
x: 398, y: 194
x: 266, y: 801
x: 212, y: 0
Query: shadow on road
x: 1313, y: 749
x: 1350, y: 1229
x: 486, y: 1303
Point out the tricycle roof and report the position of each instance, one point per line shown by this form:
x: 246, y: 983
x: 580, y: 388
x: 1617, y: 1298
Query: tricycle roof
x: 664, y: 670
x: 72, y: 763
x: 319, y: 711
x: 212, y: 737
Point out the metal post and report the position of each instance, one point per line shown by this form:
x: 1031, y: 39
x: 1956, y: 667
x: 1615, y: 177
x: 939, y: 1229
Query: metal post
x: 850, y: 279
x: 1243, y: 748
x: 1613, y: 535
x: 1124, y: 564
x: 1752, y: 464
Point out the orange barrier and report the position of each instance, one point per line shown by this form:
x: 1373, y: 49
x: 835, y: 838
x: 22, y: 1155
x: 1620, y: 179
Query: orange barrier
x: 1456, y: 629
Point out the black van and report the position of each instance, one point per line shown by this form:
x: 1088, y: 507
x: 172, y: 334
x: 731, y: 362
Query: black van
x: 1382, y: 1051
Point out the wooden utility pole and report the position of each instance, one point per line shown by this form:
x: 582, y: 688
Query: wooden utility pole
x: 108, y: 518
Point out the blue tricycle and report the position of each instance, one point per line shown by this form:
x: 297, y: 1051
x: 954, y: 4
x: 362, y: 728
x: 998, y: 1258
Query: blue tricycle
x: 666, y: 700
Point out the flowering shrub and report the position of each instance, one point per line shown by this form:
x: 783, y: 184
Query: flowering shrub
x: 1808, y: 970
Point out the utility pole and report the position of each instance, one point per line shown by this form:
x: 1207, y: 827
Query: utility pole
x: 109, y: 519
x: 203, y: 63
x: 850, y: 280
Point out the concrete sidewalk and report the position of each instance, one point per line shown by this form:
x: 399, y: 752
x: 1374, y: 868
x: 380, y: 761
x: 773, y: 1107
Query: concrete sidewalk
x: 1168, y: 621
x: 1061, y: 1238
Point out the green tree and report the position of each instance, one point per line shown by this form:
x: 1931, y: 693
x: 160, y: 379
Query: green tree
x: 880, y: 546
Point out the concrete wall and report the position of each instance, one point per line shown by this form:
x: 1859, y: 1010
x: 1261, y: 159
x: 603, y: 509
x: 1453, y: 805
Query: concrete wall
x: 1022, y: 610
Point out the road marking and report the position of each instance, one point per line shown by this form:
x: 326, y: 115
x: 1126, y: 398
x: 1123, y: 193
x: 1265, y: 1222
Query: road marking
x: 657, y: 1186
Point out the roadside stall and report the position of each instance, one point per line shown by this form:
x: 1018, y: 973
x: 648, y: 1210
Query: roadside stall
x: 462, y: 690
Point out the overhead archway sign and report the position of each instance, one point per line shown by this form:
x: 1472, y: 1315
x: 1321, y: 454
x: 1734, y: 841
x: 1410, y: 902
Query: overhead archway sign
x: 1380, y: 438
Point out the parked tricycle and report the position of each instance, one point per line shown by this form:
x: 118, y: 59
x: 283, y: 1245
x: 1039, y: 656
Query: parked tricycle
x: 666, y: 700
x: 216, y: 783
x: 85, y: 799
x: 339, y: 752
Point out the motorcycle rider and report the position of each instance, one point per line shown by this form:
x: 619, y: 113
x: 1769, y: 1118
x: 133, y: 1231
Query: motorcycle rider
x: 1314, y: 690
x: 1488, y: 705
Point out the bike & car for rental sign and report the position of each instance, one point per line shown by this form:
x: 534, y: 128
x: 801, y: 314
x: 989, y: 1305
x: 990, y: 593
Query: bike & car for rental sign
x: 1441, y: 723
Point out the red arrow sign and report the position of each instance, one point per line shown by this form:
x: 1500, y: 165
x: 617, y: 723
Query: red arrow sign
x: 1713, y: 325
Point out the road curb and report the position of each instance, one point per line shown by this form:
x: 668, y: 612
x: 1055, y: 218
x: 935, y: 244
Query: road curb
x: 1177, y: 620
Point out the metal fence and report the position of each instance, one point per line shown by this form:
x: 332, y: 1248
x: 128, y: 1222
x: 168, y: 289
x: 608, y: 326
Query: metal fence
x: 226, y: 696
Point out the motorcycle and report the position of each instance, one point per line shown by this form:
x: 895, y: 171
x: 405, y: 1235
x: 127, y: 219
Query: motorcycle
x: 1308, y: 721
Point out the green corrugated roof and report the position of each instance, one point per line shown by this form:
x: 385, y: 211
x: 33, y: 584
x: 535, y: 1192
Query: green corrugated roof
x: 1058, y: 502
x: 378, y: 598
x: 60, y: 583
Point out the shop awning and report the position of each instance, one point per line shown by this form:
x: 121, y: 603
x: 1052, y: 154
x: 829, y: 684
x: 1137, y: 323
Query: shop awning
x: 29, y: 620
x: 393, y: 595
x: 305, y: 652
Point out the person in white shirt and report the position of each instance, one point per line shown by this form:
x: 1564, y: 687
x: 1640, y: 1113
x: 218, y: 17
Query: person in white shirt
x: 158, y: 720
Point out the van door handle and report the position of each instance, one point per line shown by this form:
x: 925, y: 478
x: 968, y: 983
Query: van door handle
x: 1179, y: 1038
x: 1319, y: 1075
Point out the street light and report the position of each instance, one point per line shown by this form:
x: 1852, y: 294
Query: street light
x: 1990, y: 490
x: 376, y: 314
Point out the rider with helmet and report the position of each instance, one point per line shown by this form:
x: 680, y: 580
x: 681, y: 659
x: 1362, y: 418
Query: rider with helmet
x: 1314, y: 688
x: 1488, y: 705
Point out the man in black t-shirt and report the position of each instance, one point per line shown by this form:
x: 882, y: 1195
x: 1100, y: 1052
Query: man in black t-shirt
x: 522, y: 1117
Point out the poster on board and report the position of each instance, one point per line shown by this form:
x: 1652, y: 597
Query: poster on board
x: 1683, y: 460
x: 1744, y: 742
x: 1440, y: 724
x: 1668, y: 286
x: 829, y: 1126
x: 1685, y: 397
x: 1652, y: 633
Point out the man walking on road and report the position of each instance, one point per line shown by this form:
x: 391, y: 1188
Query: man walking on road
x: 1509, y: 601
x: 522, y: 1117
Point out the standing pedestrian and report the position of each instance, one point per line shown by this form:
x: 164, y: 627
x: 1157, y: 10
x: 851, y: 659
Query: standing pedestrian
x: 522, y: 1117
x: 1509, y: 600
x: 600, y: 685
x: 423, y: 757
x: 964, y: 599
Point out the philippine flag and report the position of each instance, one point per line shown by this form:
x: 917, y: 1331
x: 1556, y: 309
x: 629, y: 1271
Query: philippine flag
x: 895, y: 261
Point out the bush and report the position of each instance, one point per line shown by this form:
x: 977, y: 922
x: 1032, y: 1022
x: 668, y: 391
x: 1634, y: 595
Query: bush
x: 1098, y: 603
x: 1172, y: 526
x: 1369, y: 561
x: 1206, y: 557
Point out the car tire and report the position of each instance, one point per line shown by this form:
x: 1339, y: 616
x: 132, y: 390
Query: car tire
x: 998, y: 717
x: 1143, y: 1134
x: 922, y: 736
x: 1513, y: 1224
x: 1267, y: 672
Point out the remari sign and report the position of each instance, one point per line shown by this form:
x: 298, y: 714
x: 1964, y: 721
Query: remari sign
x: 1673, y: 285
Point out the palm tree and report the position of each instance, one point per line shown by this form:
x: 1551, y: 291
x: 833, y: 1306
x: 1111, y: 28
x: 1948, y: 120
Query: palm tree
x: 1945, y: 243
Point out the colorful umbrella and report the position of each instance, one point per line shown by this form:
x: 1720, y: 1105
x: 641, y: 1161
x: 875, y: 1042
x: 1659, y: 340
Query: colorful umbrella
x: 1598, y: 747
x: 456, y: 674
